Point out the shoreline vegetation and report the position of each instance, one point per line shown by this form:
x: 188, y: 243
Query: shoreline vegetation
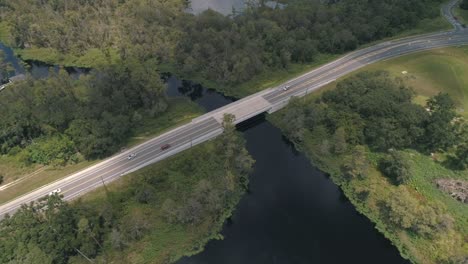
x: 179, y: 112
x: 192, y: 47
x: 180, y: 213
x: 398, y: 189
x: 63, y: 124
x: 155, y: 215
x: 111, y: 43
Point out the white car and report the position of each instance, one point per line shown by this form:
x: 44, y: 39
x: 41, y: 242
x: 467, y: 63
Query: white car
x: 131, y: 156
x: 285, y: 88
x: 56, y: 191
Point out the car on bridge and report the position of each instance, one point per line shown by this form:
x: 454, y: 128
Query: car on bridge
x: 165, y: 146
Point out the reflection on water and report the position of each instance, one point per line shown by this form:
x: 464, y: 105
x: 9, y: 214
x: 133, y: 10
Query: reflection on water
x: 37, y: 69
x: 223, y: 6
x: 10, y: 57
x: 293, y: 214
x: 207, y: 98
x: 226, y: 7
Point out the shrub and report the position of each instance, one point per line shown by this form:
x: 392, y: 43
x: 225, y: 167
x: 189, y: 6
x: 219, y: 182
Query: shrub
x: 396, y: 167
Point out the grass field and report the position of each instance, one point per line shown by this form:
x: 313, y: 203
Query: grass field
x: 430, y: 72
x: 180, y: 111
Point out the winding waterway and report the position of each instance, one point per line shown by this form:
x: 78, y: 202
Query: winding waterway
x: 293, y: 213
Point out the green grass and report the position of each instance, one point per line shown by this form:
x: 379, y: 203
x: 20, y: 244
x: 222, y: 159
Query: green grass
x: 180, y: 111
x: 92, y: 58
x: 425, y: 171
x: 46, y: 176
x: 430, y: 72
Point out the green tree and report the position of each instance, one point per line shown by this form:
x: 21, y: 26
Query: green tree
x: 397, y: 167
x: 407, y: 212
x: 441, y: 131
x: 461, y: 156
x: 339, y: 141
x: 295, y: 119
x: 6, y: 69
x: 356, y: 165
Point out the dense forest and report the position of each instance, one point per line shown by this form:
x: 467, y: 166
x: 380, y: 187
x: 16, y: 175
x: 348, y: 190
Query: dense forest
x: 60, y: 119
x: 375, y: 110
x: 225, y: 49
x: 175, y: 206
x: 375, y: 142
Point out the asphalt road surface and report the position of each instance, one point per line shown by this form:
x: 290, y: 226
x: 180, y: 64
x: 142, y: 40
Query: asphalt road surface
x: 208, y: 126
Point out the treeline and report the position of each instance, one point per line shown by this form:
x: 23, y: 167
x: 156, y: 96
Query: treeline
x: 6, y: 69
x: 60, y: 119
x: 176, y: 205
x: 367, y: 134
x: 375, y: 110
x: 232, y: 51
x: 226, y: 49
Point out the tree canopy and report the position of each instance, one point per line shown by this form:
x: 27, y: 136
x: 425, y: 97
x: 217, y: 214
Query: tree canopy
x: 52, y: 120
x: 226, y: 49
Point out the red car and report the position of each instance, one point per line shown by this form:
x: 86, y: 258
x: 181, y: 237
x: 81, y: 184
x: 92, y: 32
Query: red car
x: 165, y: 146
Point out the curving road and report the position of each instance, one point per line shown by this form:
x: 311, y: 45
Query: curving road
x: 209, y: 126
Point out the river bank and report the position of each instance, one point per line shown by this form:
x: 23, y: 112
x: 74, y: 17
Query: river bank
x: 318, y: 213
x: 357, y: 169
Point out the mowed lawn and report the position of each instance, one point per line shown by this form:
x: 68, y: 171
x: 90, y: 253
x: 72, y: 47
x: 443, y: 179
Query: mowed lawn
x: 430, y: 72
x: 434, y: 71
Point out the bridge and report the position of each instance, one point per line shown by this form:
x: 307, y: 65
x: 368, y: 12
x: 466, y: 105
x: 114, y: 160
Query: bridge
x: 208, y: 126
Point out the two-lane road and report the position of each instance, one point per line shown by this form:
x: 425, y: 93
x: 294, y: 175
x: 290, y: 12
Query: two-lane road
x: 209, y: 125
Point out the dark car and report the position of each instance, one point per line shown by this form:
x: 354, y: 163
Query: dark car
x: 165, y: 146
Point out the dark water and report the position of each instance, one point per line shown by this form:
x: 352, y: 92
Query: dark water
x: 36, y: 69
x: 208, y: 99
x: 226, y: 7
x: 292, y: 214
x: 223, y: 6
